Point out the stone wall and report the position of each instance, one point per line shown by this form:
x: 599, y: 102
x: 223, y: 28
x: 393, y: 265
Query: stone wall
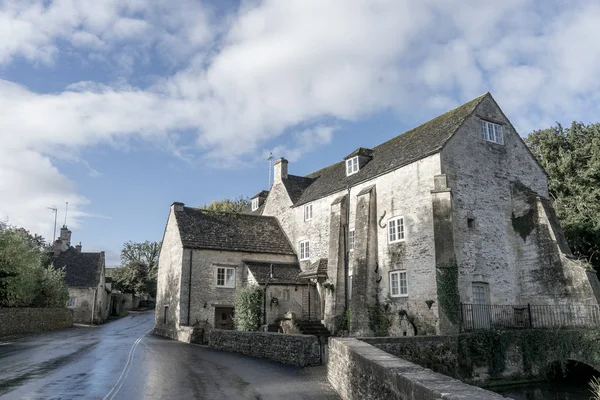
x: 17, y: 321
x: 298, y: 350
x: 360, y: 371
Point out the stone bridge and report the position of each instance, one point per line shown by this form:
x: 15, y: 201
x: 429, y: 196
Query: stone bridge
x: 480, y: 356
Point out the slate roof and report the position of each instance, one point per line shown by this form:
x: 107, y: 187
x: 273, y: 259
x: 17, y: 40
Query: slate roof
x: 413, y: 145
x: 81, y: 269
x: 201, y: 229
x: 262, y: 193
x: 295, y: 186
x: 283, y: 274
x: 318, y: 269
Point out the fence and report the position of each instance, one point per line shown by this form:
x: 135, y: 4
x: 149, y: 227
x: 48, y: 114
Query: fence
x: 484, y: 316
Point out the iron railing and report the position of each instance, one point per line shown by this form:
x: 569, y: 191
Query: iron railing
x: 486, y: 316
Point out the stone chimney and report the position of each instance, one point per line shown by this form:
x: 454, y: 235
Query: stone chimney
x: 177, y: 206
x: 57, y: 247
x: 65, y: 235
x: 281, y: 170
x: 78, y: 247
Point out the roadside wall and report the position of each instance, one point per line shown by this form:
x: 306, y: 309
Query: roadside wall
x: 360, y: 371
x: 17, y: 321
x: 298, y: 350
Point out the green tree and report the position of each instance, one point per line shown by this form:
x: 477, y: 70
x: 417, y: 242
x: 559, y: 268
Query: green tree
x: 139, y: 268
x: 571, y: 157
x: 248, y: 308
x: 237, y: 205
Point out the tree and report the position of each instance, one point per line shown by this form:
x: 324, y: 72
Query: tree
x: 248, y: 308
x: 139, y: 268
x: 146, y: 253
x: 237, y: 205
x: 571, y: 157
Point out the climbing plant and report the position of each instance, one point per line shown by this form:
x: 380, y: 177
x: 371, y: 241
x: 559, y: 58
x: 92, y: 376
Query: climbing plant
x: 248, y: 308
x: 447, y: 288
x: 380, y: 317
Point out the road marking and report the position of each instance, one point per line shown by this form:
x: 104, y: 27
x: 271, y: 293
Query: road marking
x: 115, y: 389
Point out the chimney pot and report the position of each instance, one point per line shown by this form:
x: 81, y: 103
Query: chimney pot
x: 281, y: 170
x: 78, y: 247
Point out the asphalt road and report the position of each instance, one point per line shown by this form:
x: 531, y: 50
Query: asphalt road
x: 121, y: 360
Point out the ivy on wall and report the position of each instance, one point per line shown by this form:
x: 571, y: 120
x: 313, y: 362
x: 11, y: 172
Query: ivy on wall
x: 447, y: 288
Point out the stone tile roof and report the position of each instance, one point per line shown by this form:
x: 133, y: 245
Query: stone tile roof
x: 262, y: 193
x: 318, y: 269
x: 81, y: 269
x: 201, y: 229
x: 413, y: 145
x: 295, y: 186
x: 283, y: 274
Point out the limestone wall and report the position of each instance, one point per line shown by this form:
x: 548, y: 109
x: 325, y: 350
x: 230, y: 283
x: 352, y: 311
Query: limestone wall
x: 358, y: 370
x: 18, y: 321
x: 299, y: 350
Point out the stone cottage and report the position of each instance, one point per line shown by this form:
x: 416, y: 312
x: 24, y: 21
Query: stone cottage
x: 89, y: 296
x: 206, y: 257
x: 453, y: 211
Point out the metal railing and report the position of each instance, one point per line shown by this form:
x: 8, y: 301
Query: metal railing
x: 486, y: 316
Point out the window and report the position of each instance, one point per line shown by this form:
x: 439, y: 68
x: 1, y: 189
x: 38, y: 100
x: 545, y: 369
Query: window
x: 165, y: 315
x: 308, y: 212
x: 398, y: 284
x: 396, y: 230
x: 351, y: 240
x: 72, y: 302
x: 286, y: 294
x: 255, y: 204
x: 491, y: 132
x: 351, y: 166
x: 305, y: 250
x: 226, y: 277
x: 480, y: 293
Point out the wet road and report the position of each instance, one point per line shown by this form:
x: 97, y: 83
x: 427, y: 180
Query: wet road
x: 120, y: 360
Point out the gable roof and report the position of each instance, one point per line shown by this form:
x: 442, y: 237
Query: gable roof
x: 318, y: 269
x: 295, y: 186
x: 282, y: 273
x: 202, y: 229
x: 81, y: 269
x: 413, y: 145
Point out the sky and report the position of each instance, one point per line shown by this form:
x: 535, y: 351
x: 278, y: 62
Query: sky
x: 121, y: 107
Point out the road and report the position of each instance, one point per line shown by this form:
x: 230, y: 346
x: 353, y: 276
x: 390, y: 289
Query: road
x: 121, y: 360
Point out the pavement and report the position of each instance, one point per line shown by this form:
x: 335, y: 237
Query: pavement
x: 122, y: 360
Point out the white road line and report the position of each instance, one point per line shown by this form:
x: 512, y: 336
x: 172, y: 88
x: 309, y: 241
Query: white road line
x: 115, y: 389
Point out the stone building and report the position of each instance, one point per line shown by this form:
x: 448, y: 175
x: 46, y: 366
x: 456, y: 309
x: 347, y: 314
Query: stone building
x: 89, y: 296
x: 206, y: 257
x: 453, y: 211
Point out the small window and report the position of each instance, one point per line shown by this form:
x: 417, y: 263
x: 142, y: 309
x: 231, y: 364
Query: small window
x: 226, y: 277
x: 351, y: 240
x: 165, y: 314
x: 72, y: 302
x: 396, y: 230
x: 286, y: 294
x: 480, y: 293
x: 308, y: 212
x: 398, y: 284
x: 352, y: 165
x: 304, y: 250
x: 492, y: 132
x: 255, y: 204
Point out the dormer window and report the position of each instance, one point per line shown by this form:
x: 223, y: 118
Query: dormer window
x: 491, y: 132
x: 255, y: 204
x: 351, y: 165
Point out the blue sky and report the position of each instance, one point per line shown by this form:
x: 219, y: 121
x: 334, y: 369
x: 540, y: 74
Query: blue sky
x: 121, y: 107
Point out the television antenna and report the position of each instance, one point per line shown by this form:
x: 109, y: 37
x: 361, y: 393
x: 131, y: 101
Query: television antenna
x: 66, y: 211
x: 55, y: 215
x: 270, y: 159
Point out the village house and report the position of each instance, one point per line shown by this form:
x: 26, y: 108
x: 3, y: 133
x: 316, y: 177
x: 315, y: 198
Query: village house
x: 89, y: 295
x: 453, y: 211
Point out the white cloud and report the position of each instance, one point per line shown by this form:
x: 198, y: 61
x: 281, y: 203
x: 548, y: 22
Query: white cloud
x: 276, y: 65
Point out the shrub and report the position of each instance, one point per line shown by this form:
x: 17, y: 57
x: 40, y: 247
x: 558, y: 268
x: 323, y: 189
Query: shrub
x: 248, y: 308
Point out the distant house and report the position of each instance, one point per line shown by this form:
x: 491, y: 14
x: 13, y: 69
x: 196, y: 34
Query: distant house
x: 89, y: 295
x: 206, y: 257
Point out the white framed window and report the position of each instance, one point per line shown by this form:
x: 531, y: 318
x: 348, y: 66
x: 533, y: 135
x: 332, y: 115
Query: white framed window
x: 480, y: 293
x: 255, y: 204
x: 491, y: 132
x: 304, y: 250
x: 72, y: 302
x: 396, y: 231
x: 226, y: 277
x: 351, y: 240
x: 352, y: 165
x: 398, y: 283
x: 308, y: 212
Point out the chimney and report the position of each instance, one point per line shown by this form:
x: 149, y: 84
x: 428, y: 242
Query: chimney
x: 65, y: 235
x: 78, y: 247
x: 57, y: 247
x: 177, y: 206
x: 281, y: 170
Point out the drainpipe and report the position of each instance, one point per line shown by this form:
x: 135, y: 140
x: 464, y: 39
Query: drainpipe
x: 346, y: 250
x: 94, y: 305
x: 189, y: 289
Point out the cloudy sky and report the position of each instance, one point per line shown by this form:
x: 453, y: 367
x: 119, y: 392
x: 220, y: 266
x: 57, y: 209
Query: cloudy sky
x: 121, y: 107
